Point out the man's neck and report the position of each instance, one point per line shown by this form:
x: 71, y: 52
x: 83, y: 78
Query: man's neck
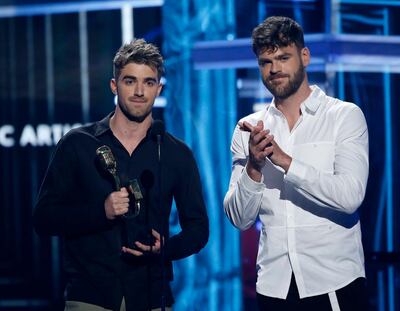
x: 128, y: 132
x: 290, y: 107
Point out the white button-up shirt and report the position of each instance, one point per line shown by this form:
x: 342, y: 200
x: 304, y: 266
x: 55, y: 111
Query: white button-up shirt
x: 310, y: 224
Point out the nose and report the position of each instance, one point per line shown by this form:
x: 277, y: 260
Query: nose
x: 139, y: 90
x: 275, y: 67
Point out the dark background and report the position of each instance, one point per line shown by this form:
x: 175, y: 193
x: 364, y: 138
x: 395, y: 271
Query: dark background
x: 41, y: 93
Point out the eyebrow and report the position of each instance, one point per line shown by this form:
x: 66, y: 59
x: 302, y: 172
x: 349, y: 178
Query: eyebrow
x: 261, y: 59
x: 134, y: 78
x: 150, y: 79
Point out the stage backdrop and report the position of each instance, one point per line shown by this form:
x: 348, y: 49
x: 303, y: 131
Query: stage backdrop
x: 202, y: 111
x: 55, y: 66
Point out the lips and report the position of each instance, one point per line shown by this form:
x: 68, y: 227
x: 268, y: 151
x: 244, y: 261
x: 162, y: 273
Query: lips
x: 137, y: 100
x: 277, y: 77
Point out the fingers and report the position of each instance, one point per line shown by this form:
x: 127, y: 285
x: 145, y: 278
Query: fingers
x: 131, y: 251
x: 155, y: 249
x: 144, y: 248
x: 262, y: 140
x: 123, y: 191
x: 247, y: 127
x: 270, y: 146
x: 278, y: 156
x: 257, y: 132
x: 155, y: 234
x: 268, y: 151
x: 117, y: 203
x: 259, y: 144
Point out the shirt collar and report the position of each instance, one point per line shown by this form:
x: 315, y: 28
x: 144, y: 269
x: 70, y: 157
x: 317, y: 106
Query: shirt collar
x: 310, y: 105
x: 103, y: 125
x: 312, y: 102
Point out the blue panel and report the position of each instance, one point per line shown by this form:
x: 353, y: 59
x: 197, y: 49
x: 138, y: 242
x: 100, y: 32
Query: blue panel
x: 73, y: 7
x: 356, y: 52
x: 202, y: 111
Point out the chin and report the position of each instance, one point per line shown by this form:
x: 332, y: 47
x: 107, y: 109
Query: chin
x: 139, y: 118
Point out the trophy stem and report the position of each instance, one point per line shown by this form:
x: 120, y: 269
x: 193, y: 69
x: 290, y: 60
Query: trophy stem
x: 117, y: 182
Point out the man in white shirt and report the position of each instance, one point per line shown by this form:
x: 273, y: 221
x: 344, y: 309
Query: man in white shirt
x: 301, y: 167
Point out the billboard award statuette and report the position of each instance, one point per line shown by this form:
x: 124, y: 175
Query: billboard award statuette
x: 109, y: 164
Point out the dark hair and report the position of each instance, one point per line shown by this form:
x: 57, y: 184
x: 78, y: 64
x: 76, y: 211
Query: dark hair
x: 140, y: 52
x: 276, y: 32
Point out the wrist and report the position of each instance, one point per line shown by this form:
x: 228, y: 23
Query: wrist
x: 287, y: 160
x: 254, y: 172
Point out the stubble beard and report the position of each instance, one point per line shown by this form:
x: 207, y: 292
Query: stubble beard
x: 132, y: 117
x: 283, y: 92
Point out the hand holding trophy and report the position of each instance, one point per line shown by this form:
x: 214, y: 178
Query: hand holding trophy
x: 109, y: 164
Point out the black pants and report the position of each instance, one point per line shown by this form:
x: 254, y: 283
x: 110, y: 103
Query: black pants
x: 352, y: 297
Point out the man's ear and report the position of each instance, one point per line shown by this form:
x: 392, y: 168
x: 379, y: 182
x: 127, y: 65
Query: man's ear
x: 305, y: 56
x: 113, y: 86
x: 160, y: 87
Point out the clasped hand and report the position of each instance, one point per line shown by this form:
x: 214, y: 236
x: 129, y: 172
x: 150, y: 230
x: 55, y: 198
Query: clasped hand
x: 261, y: 146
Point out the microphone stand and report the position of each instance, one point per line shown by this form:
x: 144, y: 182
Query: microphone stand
x: 162, y: 235
x: 148, y: 241
x: 147, y: 181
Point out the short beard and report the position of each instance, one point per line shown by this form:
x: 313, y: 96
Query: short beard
x: 131, y: 117
x: 292, y: 87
